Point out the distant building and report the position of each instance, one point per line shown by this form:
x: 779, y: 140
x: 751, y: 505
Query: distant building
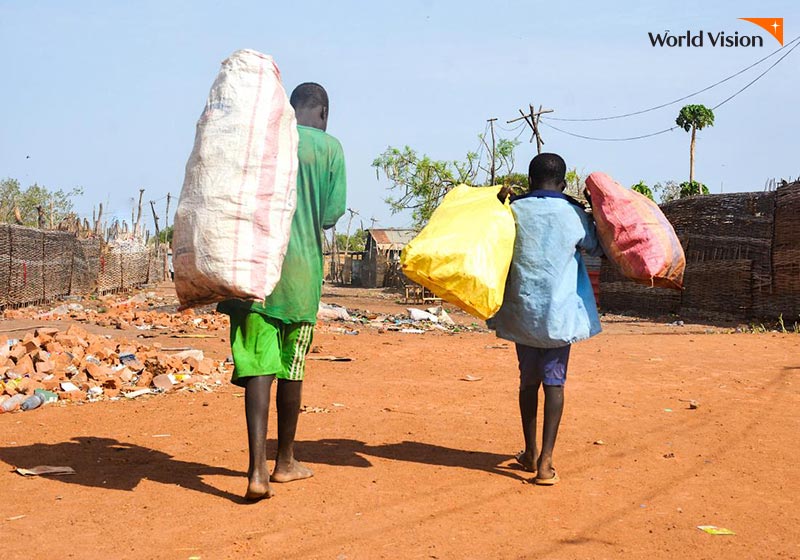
x: 381, y: 265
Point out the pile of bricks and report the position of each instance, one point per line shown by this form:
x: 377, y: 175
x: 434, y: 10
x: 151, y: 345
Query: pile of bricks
x: 79, y: 366
x: 124, y: 317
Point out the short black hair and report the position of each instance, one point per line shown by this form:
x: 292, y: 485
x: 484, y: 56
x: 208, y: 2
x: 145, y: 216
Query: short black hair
x: 546, y: 168
x: 308, y: 96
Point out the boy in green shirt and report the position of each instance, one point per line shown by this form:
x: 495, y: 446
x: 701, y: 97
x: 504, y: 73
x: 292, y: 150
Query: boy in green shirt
x: 271, y: 339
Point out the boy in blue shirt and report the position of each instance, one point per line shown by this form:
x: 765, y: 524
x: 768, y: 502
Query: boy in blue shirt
x: 548, y: 302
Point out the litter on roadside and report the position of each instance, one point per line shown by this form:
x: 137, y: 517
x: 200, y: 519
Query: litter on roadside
x: 714, y: 530
x: 45, y: 469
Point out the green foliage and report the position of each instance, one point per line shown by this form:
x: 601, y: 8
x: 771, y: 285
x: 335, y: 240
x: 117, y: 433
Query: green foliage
x: 421, y: 182
x: 357, y: 241
x: 12, y: 195
x: 165, y: 235
x: 575, y: 184
x: 695, y: 116
x: 517, y: 181
x: 692, y: 188
x: 642, y: 188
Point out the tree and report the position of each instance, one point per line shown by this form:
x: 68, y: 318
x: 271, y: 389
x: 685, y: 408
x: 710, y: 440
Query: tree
x: 642, y: 188
x: 576, y: 183
x: 694, y: 118
x: 422, y: 182
x: 36, y: 204
x: 165, y: 235
x: 356, y: 243
x: 692, y: 188
x: 667, y: 191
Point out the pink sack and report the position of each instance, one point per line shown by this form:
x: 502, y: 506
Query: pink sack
x: 635, y: 234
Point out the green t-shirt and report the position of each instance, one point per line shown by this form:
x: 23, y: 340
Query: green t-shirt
x: 321, y: 201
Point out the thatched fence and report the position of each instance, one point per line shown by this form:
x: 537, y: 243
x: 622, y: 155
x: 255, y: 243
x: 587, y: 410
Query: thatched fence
x: 742, y: 260
x: 38, y: 265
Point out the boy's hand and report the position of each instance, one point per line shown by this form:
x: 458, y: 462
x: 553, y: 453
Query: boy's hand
x: 504, y: 193
x: 588, y: 197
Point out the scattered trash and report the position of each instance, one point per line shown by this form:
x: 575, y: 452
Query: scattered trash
x: 667, y: 410
x: 329, y: 358
x: 44, y: 469
x: 496, y: 346
x: 669, y: 455
x: 693, y: 404
x: 598, y: 442
x: 328, y: 312
x: 139, y: 393
x: 338, y: 404
x: 162, y: 435
x: 420, y: 315
x: 469, y: 377
x: 305, y: 409
x: 15, y: 518
x: 412, y: 331
x: 714, y: 530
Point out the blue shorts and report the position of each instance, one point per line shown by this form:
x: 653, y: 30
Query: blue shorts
x: 542, y: 365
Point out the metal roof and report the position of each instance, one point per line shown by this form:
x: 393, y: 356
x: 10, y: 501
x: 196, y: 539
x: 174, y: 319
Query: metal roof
x: 392, y: 239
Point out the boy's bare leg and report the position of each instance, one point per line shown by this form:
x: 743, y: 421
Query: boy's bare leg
x: 288, y: 401
x: 256, y: 406
x: 528, y: 408
x: 553, y: 407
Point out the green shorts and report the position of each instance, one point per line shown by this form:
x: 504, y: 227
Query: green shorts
x: 265, y: 346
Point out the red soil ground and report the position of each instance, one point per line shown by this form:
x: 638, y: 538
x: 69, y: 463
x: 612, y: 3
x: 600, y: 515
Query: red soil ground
x: 411, y: 461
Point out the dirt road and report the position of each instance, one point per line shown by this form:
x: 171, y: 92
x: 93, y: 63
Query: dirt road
x: 411, y: 461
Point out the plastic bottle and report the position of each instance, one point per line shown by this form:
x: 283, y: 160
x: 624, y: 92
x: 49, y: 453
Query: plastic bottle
x: 12, y: 403
x: 34, y: 401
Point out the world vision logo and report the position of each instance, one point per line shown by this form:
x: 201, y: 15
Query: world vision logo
x: 700, y: 38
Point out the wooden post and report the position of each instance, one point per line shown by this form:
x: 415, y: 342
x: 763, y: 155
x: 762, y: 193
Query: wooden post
x: 98, y: 220
x: 166, y: 216
x: 493, y: 168
x: 533, y: 121
x: 139, y: 215
x: 155, y: 218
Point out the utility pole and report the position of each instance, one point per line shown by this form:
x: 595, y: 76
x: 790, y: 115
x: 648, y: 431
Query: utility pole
x: 347, y: 242
x: 493, y: 169
x: 139, y: 215
x: 166, y: 217
x: 532, y: 119
x: 155, y: 217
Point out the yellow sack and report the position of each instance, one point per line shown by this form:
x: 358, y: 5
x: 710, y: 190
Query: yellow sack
x: 464, y: 252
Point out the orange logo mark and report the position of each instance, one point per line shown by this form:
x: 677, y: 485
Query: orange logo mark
x: 773, y: 25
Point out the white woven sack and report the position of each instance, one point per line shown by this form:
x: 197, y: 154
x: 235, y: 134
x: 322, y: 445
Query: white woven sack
x: 239, y: 194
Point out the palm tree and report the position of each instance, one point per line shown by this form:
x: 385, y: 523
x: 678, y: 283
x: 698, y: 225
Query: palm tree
x: 694, y: 118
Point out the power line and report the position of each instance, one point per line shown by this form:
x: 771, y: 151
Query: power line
x: 674, y: 101
x: 610, y: 139
x: 774, y: 64
x: 754, y: 80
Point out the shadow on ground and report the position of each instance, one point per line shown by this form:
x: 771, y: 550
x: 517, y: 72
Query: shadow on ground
x: 108, y: 463
x: 354, y: 453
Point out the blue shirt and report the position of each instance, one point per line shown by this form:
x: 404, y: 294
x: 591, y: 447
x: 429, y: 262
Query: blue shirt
x: 548, y: 301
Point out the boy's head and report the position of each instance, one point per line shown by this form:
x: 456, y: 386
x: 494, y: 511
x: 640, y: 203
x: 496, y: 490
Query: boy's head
x: 310, y: 102
x: 547, y: 172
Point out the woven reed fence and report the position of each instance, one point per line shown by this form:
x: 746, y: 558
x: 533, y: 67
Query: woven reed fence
x: 38, y: 266
x: 742, y: 260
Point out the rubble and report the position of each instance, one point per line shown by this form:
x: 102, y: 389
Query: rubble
x: 83, y: 367
x: 415, y: 321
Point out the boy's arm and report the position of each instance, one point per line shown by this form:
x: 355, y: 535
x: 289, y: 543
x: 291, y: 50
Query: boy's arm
x: 336, y: 200
x: 590, y: 242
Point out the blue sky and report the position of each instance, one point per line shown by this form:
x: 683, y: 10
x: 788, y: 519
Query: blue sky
x: 105, y: 95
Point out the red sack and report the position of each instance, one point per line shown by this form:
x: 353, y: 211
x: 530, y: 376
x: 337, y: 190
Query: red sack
x: 635, y: 234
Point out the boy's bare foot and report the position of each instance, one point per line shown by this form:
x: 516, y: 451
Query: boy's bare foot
x: 526, y: 460
x: 258, y: 487
x: 293, y: 471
